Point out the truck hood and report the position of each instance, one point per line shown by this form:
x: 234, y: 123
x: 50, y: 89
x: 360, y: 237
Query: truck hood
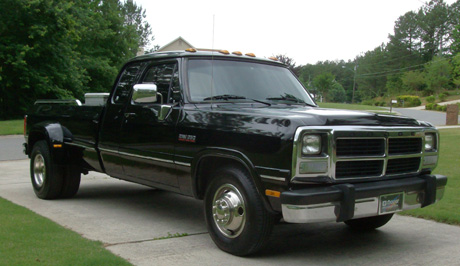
x: 311, y: 116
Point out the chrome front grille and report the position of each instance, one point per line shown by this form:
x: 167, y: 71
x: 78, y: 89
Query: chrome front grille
x: 360, y: 152
x: 360, y: 147
x: 404, y: 146
x: 356, y: 169
x: 403, y: 165
x: 372, y: 157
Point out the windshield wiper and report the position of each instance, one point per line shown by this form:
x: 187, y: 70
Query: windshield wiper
x: 224, y: 97
x: 227, y: 97
x: 289, y: 99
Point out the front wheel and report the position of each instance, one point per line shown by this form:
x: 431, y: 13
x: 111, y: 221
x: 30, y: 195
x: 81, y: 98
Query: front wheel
x: 369, y: 223
x: 235, y: 215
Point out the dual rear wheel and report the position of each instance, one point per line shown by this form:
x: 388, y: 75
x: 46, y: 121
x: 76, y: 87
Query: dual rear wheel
x: 49, y: 179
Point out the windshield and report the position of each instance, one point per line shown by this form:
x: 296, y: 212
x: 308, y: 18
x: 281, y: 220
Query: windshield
x: 238, y: 80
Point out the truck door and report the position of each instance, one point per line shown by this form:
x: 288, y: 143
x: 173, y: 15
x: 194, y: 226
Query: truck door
x: 109, y: 135
x: 146, y: 140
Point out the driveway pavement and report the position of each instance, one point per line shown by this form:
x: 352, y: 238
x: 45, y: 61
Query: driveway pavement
x: 11, y: 147
x: 130, y: 218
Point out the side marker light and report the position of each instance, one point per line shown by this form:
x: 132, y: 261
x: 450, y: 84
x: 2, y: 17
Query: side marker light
x: 272, y: 193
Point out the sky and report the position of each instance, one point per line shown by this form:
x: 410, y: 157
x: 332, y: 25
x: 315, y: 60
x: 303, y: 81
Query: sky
x: 307, y: 31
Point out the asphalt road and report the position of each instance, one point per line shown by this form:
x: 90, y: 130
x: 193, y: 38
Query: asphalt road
x: 435, y: 118
x: 130, y: 218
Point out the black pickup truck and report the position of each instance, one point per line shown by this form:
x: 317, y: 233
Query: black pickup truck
x: 244, y: 135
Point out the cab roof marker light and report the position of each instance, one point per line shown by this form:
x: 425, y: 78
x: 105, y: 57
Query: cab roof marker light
x: 237, y: 53
x: 223, y: 52
x: 191, y: 50
x: 273, y: 58
x: 250, y: 54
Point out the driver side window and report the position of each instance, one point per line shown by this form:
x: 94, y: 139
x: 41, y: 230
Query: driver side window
x: 165, y: 76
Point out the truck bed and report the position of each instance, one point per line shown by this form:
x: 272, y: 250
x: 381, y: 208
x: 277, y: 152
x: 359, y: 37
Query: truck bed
x: 80, y: 122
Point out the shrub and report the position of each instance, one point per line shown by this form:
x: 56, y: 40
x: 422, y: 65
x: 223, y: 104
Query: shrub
x: 444, y: 108
x: 430, y: 99
x: 429, y: 106
x: 439, y: 108
x: 442, y: 97
x: 368, y: 102
x: 409, y: 100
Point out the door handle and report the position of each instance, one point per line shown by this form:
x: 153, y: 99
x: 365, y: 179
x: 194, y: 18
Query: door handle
x: 129, y: 114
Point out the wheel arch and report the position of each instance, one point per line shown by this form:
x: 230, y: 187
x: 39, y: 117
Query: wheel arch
x: 54, y: 134
x: 217, y: 157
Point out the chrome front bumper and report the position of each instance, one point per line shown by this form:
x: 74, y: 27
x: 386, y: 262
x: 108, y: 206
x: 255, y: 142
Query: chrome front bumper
x: 350, y: 201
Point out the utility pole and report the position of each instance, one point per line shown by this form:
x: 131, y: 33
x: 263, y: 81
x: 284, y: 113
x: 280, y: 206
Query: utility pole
x: 354, y: 81
x: 354, y: 84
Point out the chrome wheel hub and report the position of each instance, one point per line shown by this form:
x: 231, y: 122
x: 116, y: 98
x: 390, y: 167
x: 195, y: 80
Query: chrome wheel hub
x: 229, y: 211
x: 39, y: 170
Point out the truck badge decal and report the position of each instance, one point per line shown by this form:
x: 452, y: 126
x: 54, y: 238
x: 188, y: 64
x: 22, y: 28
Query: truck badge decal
x: 187, y: 138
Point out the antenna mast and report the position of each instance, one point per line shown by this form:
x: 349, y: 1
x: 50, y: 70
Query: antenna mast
x: 212, y: 58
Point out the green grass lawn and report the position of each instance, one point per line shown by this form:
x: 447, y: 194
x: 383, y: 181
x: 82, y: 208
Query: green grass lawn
x: 30, y: 239
x: 448, y: 209
x: 11, y: 127
x: 351, y: 106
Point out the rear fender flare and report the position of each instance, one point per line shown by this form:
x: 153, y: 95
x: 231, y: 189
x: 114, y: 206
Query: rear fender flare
x: 54, y: 134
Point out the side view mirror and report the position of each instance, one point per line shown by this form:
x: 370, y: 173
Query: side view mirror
x: 145, y: 93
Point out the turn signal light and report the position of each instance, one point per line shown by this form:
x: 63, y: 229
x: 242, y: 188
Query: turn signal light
x: 272, y: 193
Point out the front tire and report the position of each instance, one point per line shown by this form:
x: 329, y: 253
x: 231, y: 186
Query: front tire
x: 369, y: 223
x: 236, y: 217
x: 46, y: 176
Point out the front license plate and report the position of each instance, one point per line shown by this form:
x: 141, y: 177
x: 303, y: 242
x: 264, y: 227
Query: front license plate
x: 391, y: 203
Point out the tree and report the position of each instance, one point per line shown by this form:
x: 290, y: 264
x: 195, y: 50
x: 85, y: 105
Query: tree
x: 343, y: 72
x: 406, y: 33
x: 337, y: 93
x: 394, y: 86
x: 455, y: 47
x: 413, y: 80
x: 37, y: 55
x: 289, y: 62
x: 323, y: 84
x: 62, y: 49
x: 438, y: 74
x: 456, y: 71
x: 434, y: 25
x: 372, y: 73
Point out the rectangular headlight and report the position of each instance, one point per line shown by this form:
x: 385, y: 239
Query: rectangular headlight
x: 311, y: 144
x: 430, y: 142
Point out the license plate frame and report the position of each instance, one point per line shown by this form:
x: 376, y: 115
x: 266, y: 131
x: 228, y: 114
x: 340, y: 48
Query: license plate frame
x: 391, y: 203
